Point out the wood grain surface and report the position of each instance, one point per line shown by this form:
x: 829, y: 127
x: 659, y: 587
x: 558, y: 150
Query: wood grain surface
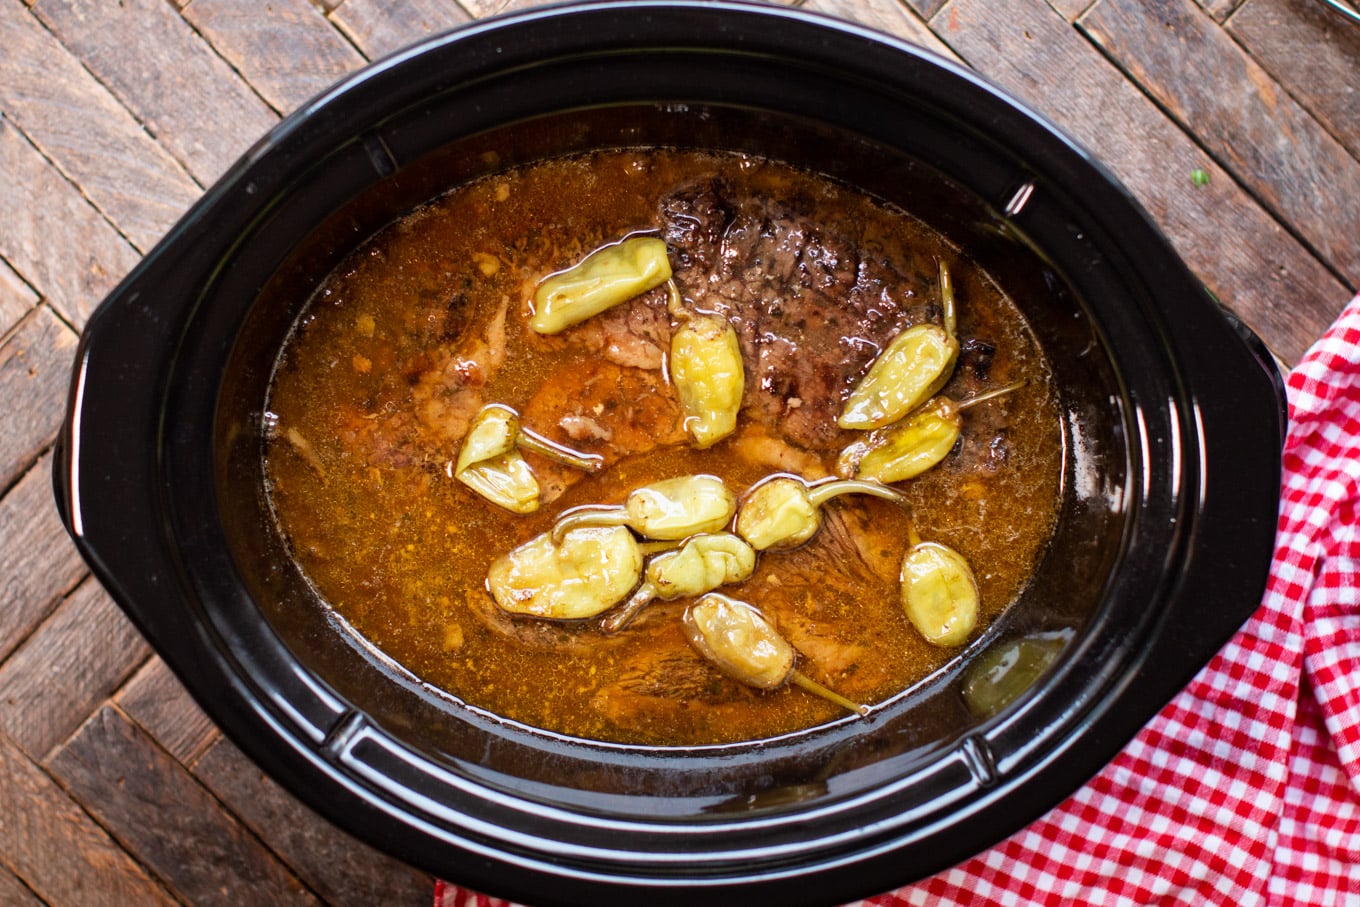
x: 1235, y: 123
x: 16, y: 297
x: 289, y: 55
x: 1284, y: 157
x: 74, y: 661
x: 63, y: 248
x: 184, y: 94
x: 82, y: 128
x: 379, y: 27
x: 41, y: 563
x: 166, y: 819
x: 35, y: 362
x: 154, y: 699
x: 1310, y: 52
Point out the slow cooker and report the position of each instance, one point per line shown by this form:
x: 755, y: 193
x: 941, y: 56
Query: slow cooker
x: 1173, y: 418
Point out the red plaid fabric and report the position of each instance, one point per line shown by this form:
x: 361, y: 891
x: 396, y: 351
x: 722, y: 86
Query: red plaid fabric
x: 1245, y: 789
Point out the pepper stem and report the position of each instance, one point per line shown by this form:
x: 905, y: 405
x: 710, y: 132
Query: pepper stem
x: 947, y: 300
x: 621, y: 616
x: 658, y: 546
x: 558, y: 453
x: 674, y: 304
x: 582, y: 517
x: 817, y: 689
x: 820, y: 494
x: 990, y: 395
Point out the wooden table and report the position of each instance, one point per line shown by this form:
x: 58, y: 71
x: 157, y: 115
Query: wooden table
x: 1235, y: 122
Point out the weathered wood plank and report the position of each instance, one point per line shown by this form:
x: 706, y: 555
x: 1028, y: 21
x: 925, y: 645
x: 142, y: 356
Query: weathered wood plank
x: 52, y: 235
x: 1215, y: 90
x: 156, y: 700
x: 286, y: 50
x: 1071, y: 9
x: 161, y: 815
x: 70, y: 664
x: 16, y: 298
x: 183, y: 93
x: 924, y: 8
x: 40, y: 562
x: 380, y: 27
x: 58, y: 850
x: 35, y: 368
x: 14, y: 893
x: 342, y: 870
x: 1219, y: 9
x: 480, y: 9
x: 1241, y: 253
x: 1308, y: 49
x: 83, y: 129
x: 894, y: 18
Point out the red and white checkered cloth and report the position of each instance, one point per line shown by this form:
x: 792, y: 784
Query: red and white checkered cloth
x: 1245, y: 789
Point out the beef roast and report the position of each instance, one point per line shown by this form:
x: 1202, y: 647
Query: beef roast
x: 811, y: 308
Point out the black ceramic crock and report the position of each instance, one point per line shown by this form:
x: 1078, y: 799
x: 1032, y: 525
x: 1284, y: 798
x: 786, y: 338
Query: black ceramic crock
x: 1173, y: 418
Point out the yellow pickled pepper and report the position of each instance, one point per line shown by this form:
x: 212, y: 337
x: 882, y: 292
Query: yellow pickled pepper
x: 608, y: 276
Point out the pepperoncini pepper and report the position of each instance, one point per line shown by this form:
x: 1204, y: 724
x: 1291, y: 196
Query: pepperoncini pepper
x: 603, y: 279
x: 908, y: 448
x: 939, y: 592
x: 783, y: 511
x: 489, y: 462
x: 740, y: 642
x: 579, y: 576
x: 701, y: 564
x: 1005, y: 670
x: 707, y: 372
x: 668, y: 509
x: 914, y: 366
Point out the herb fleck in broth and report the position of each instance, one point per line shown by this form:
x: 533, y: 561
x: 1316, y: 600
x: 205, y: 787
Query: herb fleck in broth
x: 428, y: 322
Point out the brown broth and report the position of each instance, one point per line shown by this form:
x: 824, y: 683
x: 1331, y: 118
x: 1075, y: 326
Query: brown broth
x: 372, y: 394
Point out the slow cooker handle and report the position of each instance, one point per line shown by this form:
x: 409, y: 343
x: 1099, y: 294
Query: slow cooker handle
x: 1274, y: 367
x: 1218, y: 579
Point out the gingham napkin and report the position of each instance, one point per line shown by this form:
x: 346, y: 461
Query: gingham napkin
x: 1245, y: 789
